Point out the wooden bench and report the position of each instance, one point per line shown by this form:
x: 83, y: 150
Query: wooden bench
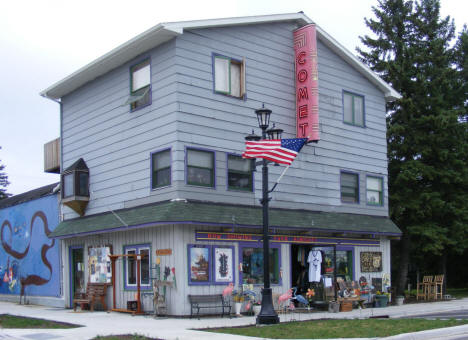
x: 94, y: 292
x: 208, y: 301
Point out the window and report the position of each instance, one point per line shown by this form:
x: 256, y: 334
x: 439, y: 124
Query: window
x: 200, y: 168
x: 344, y: 262
x: 68, y: 187
x: 229, y: 76
x: 349, y: 188
x: 252, y: 265
x: 131, y: 266
x: 161, y: 169
x: 240, y: 176
x: 374, y: 193
x: 75, y: 186
x: 140, y: 85
x: 210, y: 264
x: 353, y: 109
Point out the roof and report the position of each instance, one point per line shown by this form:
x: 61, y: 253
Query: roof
x: 78, y: 165
x: 28, y: 196
x: 163, y: 32
x: 208, y: 213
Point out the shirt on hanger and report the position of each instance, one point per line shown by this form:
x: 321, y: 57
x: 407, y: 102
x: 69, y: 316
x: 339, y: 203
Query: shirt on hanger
x: 315, y: 262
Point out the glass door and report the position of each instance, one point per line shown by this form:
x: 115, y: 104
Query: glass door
x: 77, y: 285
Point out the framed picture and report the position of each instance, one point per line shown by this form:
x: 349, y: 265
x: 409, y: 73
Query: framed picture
x: 223, y: 264
x: 99, y: 264
x: 199, y: 262
x: 371, y: 261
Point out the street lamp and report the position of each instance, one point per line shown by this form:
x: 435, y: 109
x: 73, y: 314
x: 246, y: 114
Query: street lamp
x: 267, y: 313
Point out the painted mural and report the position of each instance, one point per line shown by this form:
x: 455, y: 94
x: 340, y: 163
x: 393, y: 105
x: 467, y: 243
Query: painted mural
x: 29, y: 259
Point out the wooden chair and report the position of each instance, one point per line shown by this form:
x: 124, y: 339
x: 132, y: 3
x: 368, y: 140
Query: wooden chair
x: 94, y: 292
x: 423, y: 288
x: 434, y: 290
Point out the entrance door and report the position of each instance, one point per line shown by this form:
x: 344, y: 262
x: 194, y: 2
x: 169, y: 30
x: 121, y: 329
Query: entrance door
x: 77, y: 285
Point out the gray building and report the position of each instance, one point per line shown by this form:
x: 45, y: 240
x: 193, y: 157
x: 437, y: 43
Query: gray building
x: 149, y: 152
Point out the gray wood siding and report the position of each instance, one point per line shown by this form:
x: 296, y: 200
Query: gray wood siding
x: 217, y: 122
x: 116, y: 143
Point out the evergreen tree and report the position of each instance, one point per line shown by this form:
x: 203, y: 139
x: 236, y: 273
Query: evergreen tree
x: 426, y: 143
x: 3, y: 182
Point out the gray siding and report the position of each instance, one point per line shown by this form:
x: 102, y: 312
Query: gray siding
x: 185, y: 112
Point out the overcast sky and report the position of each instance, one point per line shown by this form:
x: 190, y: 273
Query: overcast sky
x: 41, y: 42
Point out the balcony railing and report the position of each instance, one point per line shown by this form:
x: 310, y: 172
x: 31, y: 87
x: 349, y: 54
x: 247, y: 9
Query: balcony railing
x: 52, y: 156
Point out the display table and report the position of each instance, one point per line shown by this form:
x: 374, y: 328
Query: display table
x: 347, y: 302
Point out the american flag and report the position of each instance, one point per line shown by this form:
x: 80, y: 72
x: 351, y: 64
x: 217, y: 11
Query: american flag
x: 276, y: 150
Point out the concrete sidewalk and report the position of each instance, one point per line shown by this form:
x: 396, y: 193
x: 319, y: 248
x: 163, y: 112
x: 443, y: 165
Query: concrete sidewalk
x: 102, y: 323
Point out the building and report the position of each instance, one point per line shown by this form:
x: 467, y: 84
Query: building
x: 150, y: 145
x: 30, y: 264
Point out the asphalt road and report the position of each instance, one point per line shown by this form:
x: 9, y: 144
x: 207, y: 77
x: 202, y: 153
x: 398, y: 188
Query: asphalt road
x: 461, y: 314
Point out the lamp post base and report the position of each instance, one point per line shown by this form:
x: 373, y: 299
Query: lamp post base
x: 267, y: 314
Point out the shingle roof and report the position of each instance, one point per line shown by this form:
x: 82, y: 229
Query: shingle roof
x: 207, y: 213
x: 28, y: 196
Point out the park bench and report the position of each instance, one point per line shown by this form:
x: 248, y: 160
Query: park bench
x: 208, y: 301
x: 95, y: 292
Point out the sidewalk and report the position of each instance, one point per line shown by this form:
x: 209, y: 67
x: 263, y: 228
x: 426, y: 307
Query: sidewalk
x: 103, y: 323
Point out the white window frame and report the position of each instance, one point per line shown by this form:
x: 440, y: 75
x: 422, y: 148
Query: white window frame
x: 137, y: 249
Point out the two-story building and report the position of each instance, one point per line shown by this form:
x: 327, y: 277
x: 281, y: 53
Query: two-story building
x: 151, y: 140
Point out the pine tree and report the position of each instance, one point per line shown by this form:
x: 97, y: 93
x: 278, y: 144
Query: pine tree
x: 426, y: 143
x: 3, y: 182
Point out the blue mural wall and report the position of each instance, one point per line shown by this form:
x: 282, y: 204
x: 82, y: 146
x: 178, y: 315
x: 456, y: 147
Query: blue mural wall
x: 29, y: 259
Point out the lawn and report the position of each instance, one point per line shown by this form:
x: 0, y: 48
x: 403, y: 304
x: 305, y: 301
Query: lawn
x: 12, y: 321
x: 123, y: 337
x: 326, y: 329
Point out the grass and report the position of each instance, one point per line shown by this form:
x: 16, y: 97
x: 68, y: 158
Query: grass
x: 123, y: 337
x: 326, y: 329
x: 12, y: 321
x: 458, y: 293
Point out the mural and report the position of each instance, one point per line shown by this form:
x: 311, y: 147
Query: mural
x: 29, y: 259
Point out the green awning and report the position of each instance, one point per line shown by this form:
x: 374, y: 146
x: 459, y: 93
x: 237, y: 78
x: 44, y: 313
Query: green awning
x: 207, y: 213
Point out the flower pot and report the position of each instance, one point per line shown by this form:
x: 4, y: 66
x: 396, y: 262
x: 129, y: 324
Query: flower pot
x: 237, y: 307
x: 399, y: 300
x: 256, y: 309
x: 382, y: 300
x: 333, y: 307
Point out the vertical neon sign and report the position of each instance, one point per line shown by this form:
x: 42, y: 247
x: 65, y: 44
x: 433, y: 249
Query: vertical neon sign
x: 307, y: 115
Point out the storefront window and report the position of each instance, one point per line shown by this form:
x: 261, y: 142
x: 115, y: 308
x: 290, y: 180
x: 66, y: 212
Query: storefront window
x: 344, y: 263
x: 252, y: 265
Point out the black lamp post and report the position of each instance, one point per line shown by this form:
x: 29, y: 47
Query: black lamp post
x: 267, y: 313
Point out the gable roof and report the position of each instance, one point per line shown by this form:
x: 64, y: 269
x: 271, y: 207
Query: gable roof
x: 29, y: 195
x: 163, y: 32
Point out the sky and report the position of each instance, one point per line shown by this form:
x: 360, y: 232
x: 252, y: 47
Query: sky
x: 42, y: 42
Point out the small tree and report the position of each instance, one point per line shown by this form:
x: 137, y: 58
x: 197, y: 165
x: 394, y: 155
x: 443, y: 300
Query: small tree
x: 3, y: 182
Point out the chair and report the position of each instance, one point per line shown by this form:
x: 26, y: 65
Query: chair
x: 423, y: 288
x: 434, y: 289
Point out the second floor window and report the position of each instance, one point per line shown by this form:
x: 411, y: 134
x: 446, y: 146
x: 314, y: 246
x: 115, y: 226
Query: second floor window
x: 374, y: 186
x: 353, y: 109
x: 229, y: 76
x: 140, y: 85
x: 161, y: 169
x: 240, y: 176
x: 349, y: 188
x: 200, y: 167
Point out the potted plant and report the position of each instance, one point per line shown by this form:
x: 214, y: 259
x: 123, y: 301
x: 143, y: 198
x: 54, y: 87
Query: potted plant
x: 238, y: 298
x: 256, y: 307
x: 382, y: 298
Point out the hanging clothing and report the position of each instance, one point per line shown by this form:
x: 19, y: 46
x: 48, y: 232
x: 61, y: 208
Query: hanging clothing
x: 315, y: 263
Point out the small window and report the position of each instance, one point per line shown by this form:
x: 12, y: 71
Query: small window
x: 161, y: 169
x: 200, y: 168
x: 140, y: 85
x: 240, y: 176
x: 252, y: 265
x: 229, y: 76
x: 131, y: 266
x: 349, y: 188
x: 374, y: 186
x: 353, y: 109
x: 68, y: 185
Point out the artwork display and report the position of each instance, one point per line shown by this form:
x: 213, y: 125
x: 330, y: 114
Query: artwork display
x: 224, y: 271
x: 371, y: 261
x: 199, y: 263
x: 99, y: 264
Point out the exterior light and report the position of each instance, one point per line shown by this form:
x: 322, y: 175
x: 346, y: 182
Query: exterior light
x: 274, y: 133
x: 263, y: 116
x: 252, y: 137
